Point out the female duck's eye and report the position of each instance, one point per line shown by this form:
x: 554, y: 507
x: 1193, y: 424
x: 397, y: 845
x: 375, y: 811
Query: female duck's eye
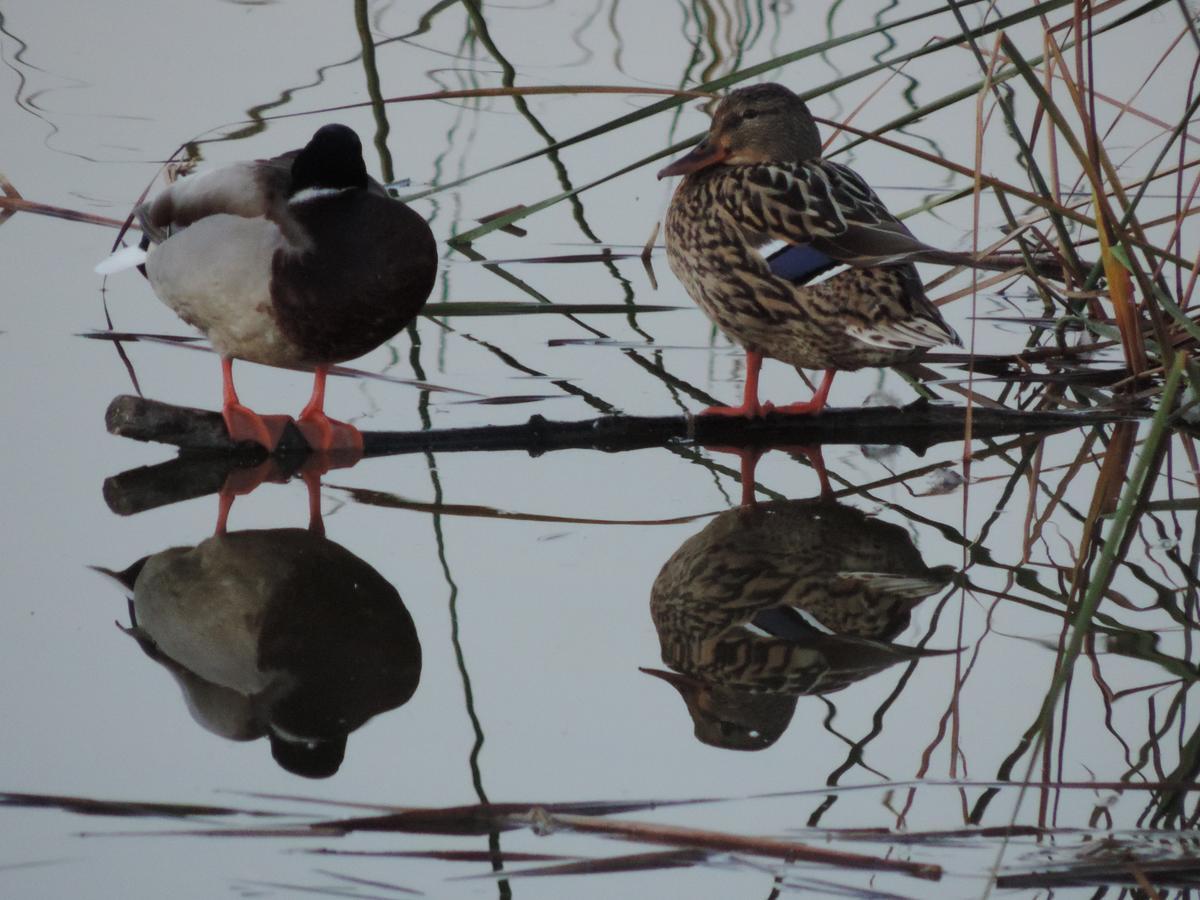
x: 750, y: 114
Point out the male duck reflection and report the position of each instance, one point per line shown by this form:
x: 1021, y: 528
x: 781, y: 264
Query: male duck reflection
x: 299, y: 260
x: 758, y: 176
x: 279, y: 633
x: 779, y: 600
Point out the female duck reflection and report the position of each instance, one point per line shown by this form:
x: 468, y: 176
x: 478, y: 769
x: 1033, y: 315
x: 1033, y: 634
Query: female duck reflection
x: 777, y: 600
x: 277, y: 632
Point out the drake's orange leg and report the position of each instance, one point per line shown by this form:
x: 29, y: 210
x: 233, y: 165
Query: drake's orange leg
x: 243, y: 423
x: 750, y: 407
x: 808, y: 407
x: 322, y: 432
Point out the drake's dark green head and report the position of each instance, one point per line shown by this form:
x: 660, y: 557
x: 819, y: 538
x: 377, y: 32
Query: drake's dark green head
x: 763, y: 123
x: 332, y: 160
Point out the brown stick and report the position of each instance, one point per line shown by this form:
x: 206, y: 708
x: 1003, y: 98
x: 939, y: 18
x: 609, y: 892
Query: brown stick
x: 20, y: 204
x: 917, y: 426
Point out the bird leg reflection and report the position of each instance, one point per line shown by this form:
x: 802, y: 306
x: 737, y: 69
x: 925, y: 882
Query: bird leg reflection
x: 815, y: 458
x: 748, y: 458
x: 244, y: 481
x: 312, y: 470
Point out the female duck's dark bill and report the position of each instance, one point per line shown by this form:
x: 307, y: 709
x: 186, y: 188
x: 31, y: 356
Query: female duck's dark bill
x: 703, y: 155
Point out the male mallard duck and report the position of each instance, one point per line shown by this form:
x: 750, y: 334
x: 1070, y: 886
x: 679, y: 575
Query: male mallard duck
x: 277, y: 633
x: 780, y: 600
x: 299, y: 260
x: 758, y: 176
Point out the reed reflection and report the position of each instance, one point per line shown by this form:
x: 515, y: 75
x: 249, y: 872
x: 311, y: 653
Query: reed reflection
x: 774, y: 601
x: 278, y: 633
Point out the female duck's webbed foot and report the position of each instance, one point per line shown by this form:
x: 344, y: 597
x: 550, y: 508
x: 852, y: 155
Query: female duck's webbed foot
x: 747, y: 410
x: 806, y: 407
x: 801, y: 408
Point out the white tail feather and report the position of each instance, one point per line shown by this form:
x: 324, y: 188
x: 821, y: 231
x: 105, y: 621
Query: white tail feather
x: 125, y: 258
x: 910, y: 334
x: 902, y: 587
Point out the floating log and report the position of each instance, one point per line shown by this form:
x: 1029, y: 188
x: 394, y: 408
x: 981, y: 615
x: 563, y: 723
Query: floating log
x: 917, y: 426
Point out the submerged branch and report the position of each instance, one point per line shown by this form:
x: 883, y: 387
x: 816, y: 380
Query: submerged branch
x: 545, y: 822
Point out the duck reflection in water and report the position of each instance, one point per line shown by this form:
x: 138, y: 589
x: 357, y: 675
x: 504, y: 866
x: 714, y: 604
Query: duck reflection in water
x: 276, y: 632
x: 777, y: 600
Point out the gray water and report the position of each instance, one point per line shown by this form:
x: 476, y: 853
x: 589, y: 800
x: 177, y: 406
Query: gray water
x: 534, y: 624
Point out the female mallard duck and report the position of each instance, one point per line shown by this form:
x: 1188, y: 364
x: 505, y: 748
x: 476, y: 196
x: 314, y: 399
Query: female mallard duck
x: 300, y: 260
x: 758, y: 176
x: 780, y: 600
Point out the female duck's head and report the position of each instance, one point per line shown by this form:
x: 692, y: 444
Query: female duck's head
x: 763, y: 123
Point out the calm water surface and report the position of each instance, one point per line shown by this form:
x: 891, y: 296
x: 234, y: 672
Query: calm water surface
x: 541, y: 629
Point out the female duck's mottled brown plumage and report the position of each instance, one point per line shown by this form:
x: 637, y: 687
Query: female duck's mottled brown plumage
x: 757, y: 177
x: 774, y: 601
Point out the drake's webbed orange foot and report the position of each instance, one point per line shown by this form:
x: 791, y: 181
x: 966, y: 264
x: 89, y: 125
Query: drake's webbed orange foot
x: 244, y: 424
x: 329, y: 435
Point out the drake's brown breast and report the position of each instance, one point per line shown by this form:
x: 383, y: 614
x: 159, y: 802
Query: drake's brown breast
x: 370, y: 264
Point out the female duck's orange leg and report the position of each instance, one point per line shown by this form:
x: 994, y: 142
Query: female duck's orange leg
x: 322, y: 432
x: 243, y: 423
x: 750, y: 407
